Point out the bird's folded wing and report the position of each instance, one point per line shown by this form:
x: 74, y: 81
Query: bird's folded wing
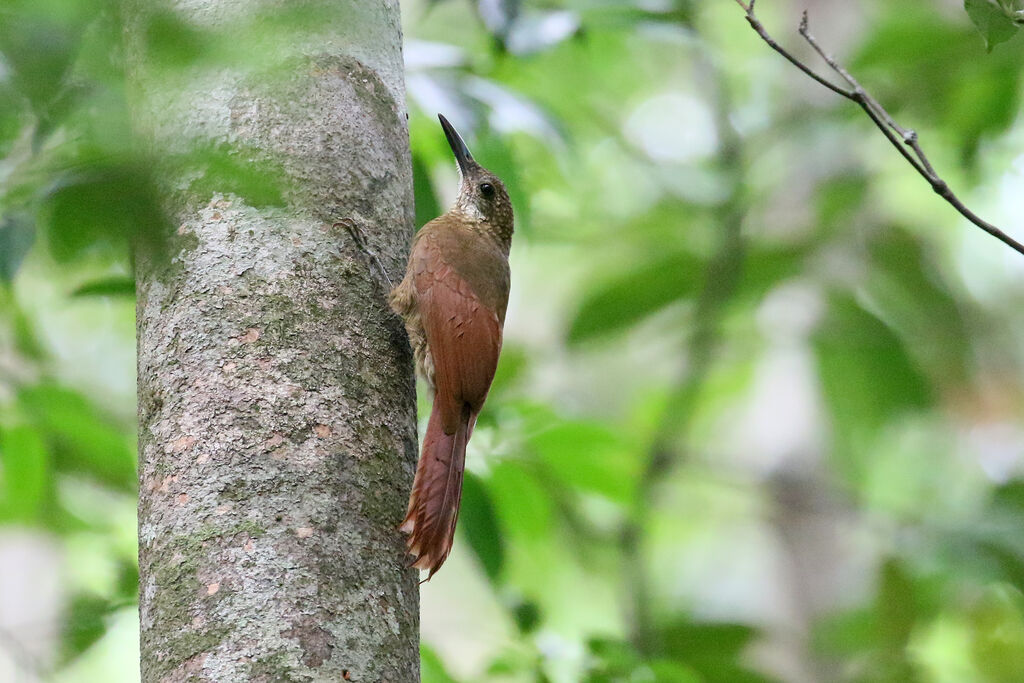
x: 464, y: 335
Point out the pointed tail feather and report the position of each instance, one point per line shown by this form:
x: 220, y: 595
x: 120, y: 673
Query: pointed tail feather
x: 436, y: 492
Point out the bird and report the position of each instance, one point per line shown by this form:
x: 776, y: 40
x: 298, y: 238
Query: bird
x: 453, y: 300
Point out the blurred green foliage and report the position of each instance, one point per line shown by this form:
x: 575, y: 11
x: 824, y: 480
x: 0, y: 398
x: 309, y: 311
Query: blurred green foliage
x: 962, y: 91
x: 723, y: 284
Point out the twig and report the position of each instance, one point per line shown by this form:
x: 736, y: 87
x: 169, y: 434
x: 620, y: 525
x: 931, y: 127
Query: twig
x: 903, y: 139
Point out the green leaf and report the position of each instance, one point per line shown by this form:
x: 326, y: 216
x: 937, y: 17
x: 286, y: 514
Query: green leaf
x: 173, y: 42
x: 631, y: 296
x: 895, y: 606
x: 111, y: 286
x: 668, y: 671
x: 479, y: 523
x: 85, y: 624
x: 839, y: 199
x: 13, y: 117
x: 26, y: 472
x: 17, y: 233
x: 714, y: 650
x: 432, y: 668
x: 227, y: 169
x: 764, y: 268
x: 105, y: 206
x: 867, y: 375
x: 912, y: 297
x: 23, y: 335
x: 992, y: 544
x: 128, y: 580
x: 60, y: 110
x: 523, y: 506
x: 81, y: 439
x: 997, y: 633
x: 686, y: 639
x: 880, y: 636
x: 508, y: 663
x: 995, y: 21
x: 588, y: 456
x: 846, y: 633
x: 527, y: 616
x: 610, y: 660
x: 1010, y: 495
x: 39, y: 50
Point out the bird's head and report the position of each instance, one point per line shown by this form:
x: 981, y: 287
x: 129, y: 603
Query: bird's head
x: 482, y: 196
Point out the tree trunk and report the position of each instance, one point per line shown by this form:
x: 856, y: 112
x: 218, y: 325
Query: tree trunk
x: 277, y: 432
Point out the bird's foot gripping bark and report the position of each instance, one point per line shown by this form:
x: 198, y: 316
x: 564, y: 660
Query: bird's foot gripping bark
x: 359, y: 239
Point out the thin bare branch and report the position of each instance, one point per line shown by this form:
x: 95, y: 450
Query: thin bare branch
x: 903, y: 139
x: 873, y: 108
x: 756, y: 25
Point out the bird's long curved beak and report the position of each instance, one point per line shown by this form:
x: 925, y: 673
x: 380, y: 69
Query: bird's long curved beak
x: 458, y: 146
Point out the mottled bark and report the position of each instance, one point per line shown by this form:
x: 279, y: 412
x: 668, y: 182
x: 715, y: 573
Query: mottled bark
x: 277, y: 433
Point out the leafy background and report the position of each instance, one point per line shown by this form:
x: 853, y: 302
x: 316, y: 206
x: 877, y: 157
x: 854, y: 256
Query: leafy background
x: 758, y: 417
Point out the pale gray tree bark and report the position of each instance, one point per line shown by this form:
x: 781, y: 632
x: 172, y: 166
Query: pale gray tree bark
x: 277, y: 433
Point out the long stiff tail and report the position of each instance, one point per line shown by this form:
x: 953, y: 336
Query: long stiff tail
x: 436, y: 492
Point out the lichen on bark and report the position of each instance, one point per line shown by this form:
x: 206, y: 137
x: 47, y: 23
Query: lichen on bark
x: 276, y: 402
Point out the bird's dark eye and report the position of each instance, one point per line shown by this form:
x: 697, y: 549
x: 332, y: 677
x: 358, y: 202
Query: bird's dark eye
x: 487, y: 189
